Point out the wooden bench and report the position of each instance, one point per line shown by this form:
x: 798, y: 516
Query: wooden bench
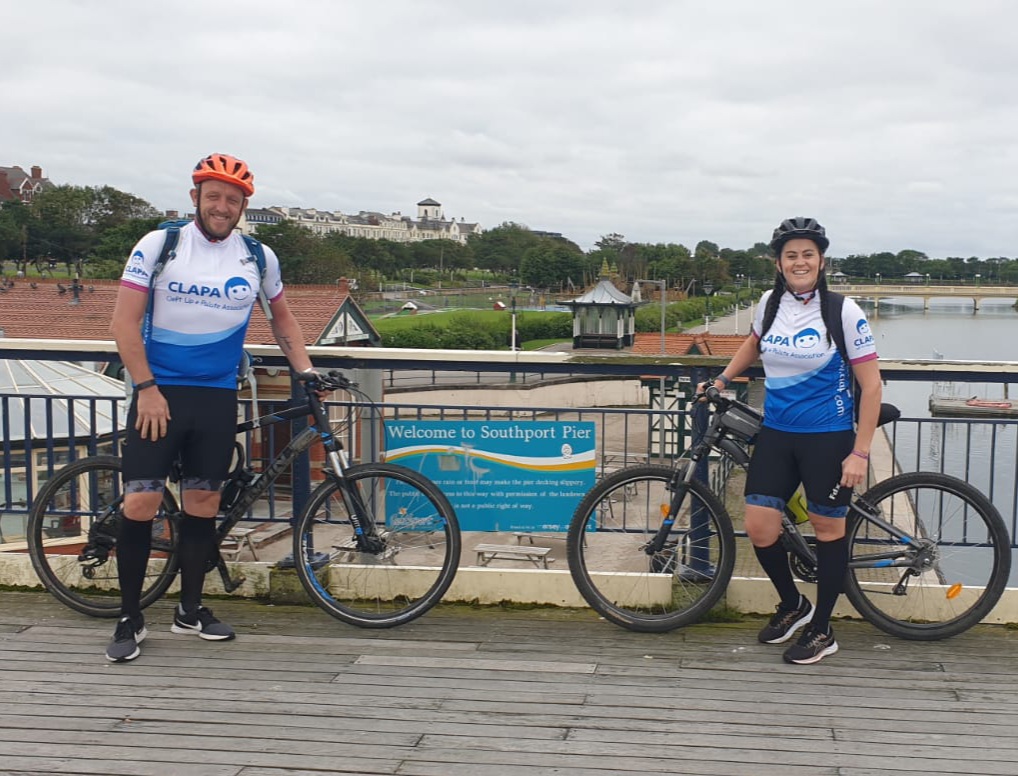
x: 486, y: 553
x: 251, y: 538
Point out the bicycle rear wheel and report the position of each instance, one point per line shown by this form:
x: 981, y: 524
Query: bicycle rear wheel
x: 405, y: 575
x: 72, y: 537
x: 963, y: 569
x: 606, y: 544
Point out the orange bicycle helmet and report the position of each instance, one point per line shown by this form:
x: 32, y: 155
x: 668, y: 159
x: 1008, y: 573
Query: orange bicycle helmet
x: 223, y: 167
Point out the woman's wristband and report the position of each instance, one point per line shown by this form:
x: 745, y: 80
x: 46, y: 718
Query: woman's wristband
x: 143, y: 385
x: 725, y: 381
x: 861, y: 454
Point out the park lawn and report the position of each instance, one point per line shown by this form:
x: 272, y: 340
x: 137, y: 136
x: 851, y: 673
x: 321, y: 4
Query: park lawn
x: 392, y: 323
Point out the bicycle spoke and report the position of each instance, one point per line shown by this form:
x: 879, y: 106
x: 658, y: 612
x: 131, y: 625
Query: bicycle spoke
x: 395, y: 574
x: 959, y: 556
x: 73, y: 528
x: 609, y: 537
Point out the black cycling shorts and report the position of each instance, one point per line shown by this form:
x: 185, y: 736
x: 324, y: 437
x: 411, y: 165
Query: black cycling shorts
x: 201, y: 430
x: 783, y: 459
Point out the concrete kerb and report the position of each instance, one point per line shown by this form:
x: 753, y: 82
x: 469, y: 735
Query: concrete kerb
x: 486, y: 586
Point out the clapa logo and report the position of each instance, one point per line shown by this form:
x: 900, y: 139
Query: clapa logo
x: 806, y: 339
x: 865, y: 336
x: 237, y: 289
x: 176, y: 287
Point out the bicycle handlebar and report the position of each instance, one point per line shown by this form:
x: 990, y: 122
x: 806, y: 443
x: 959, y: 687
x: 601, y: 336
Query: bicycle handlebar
x: 333, y: 380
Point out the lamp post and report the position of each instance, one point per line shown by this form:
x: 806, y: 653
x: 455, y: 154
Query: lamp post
x: 878, y: 278
x: 927, y: 278
x: 708, y: 288
x: 512, y: 333
x: 738, y: 289
x: 663, y: 285
x: 977, y: 278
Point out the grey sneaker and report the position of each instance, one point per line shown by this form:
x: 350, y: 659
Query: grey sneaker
x: 126, y: 638
x: 785, y: 622
x: 201, y: 623
x: 812, y: 647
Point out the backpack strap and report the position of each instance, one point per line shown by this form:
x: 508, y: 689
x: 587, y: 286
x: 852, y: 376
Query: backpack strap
x: 835, y: 303
x: 257, y: 252
x: 166, y: 255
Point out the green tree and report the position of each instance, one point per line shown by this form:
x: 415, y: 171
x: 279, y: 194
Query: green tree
x: 114, y: 246
x: 501, y: 249
x: 550, y: 264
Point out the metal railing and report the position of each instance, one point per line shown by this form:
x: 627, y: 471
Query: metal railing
x: 983, y: 451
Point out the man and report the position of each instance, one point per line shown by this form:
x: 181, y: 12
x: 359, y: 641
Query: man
x: 182, y: 353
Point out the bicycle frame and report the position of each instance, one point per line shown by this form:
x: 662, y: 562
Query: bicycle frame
x: 914, y: 553
x: 252, y: 491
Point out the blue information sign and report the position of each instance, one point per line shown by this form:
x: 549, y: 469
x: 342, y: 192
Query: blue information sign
x: 501, y: 475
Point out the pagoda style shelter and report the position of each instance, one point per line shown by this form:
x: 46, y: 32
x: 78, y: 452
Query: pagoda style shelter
x: 604, y: 317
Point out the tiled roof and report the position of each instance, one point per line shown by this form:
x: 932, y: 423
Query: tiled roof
x: 44, y: 313
x: 649, y: 344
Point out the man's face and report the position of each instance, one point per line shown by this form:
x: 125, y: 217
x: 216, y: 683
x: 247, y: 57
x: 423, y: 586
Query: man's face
x: 219, y: 206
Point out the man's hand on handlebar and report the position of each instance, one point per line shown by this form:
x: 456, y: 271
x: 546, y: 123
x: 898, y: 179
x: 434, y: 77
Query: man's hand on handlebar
x: 324, y: 383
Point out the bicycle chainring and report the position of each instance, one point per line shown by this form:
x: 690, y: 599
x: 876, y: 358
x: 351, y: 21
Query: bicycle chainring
x: 802, y: 569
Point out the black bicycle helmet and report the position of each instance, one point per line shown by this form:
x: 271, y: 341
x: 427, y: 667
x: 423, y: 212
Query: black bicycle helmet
x: 799, y: 227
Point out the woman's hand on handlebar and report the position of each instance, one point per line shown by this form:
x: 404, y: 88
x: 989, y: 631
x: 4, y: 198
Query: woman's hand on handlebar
x: 708, y: 391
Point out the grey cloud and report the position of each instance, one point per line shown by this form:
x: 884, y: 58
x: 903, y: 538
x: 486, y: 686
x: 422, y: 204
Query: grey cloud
x: 665, y: 121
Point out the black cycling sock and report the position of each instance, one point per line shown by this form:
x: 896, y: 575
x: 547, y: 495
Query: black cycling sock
x: 774, y: 562
x: 197, y: 539
x: 134, y: 545
x: 832, y: 564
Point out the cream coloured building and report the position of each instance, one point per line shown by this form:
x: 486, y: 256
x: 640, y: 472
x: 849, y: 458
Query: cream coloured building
x: 430, y: 224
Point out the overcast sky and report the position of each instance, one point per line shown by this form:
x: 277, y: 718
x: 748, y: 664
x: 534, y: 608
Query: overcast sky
x: 893, y: 123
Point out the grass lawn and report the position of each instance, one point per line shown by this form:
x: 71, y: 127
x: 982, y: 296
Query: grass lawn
x: 406, y: 321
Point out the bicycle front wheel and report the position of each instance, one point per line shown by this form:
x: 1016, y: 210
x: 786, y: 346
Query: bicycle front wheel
x: 607, y: 550
x: 960, y: 562
x: 384, y: 580
x: 72, y: 538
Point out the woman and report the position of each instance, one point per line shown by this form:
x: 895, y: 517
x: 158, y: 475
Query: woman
x: 807, y: 435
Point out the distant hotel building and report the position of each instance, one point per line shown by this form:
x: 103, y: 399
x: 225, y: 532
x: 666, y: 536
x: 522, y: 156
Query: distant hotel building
x: 430, y: 223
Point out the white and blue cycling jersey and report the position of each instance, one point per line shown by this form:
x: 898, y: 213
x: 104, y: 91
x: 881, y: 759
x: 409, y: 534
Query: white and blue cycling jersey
x: 809, y: 385
x: 201, y: 305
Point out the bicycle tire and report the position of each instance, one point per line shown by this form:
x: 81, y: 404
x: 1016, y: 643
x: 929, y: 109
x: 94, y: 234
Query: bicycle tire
x: 412, y: 571
x: 621, y: 582
x: 91, y: 488
x: 964, y: 579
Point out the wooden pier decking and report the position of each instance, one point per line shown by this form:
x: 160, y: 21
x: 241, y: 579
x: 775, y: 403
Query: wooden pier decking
x: 491, y: 692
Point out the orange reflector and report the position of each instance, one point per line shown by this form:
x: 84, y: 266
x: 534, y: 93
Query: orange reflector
x: 954, y: 591
x: 664, y: 510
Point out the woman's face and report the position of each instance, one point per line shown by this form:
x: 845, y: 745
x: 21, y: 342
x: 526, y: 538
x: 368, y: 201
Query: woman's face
x: 800, y: 264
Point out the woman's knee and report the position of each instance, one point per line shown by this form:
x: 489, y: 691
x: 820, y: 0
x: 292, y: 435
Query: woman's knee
x: 827, y: 529
x: 763, y: 525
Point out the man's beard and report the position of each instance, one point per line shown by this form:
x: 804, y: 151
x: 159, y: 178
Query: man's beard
x: 208, y: 232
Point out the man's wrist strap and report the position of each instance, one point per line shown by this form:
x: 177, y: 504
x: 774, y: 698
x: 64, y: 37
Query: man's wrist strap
x: 143, y: 385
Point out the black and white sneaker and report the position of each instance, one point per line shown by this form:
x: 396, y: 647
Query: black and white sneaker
x: 126, y: 638
x: 812, y: 647
x: 201, y: 623
x: 785, y: 622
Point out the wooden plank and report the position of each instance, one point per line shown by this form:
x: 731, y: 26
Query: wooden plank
x: 494, y: 692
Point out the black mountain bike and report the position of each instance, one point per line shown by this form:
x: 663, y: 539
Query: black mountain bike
x: 652, y: 549
x: 377, y: 544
